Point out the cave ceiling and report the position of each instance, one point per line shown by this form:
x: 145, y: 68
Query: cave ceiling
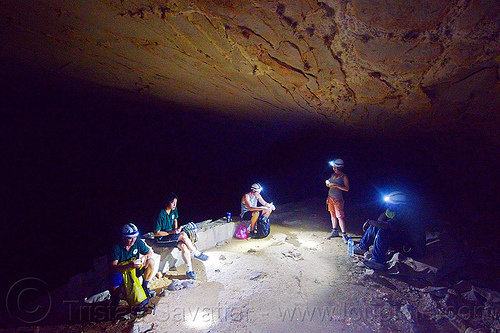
x: 362, y: 64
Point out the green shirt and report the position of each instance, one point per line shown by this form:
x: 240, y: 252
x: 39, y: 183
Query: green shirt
x: 118, y: 252
x: 165, y: 221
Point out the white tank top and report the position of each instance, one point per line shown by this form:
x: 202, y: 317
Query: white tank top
x: 253, y: 203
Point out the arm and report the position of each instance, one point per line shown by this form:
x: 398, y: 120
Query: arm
x: 160, y: 224
x: 380, y: 223
x: 265, y: 203
x: 343, y: 188
x: 114, y: 267
x: 346, y: 184
x: 250, y: 208
x: 146, y: 256
x: 166, y: 233
x: 149, y: 254
x: 327, y: 182
x: 146, y: 253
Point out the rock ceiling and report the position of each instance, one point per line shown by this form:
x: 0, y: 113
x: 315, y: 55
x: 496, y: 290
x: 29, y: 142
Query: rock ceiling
x: 365, y: 64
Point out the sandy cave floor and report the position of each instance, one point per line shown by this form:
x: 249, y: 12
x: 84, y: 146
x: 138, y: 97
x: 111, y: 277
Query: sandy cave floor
x: 265, y: 285
x: 296, y: 280
x: 292, y: 281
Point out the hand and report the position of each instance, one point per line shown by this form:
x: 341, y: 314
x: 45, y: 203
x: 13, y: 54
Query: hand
x: 136, y: 263
x: 366, y: 225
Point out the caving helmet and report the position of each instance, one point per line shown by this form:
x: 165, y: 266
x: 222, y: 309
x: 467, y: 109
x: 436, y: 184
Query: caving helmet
x: 130, y: 230
x: 256, y: 187
x: 395, y: 198
x: 339, y: 163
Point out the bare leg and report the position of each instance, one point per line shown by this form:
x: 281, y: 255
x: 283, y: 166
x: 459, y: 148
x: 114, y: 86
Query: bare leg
x: 255, y: 217
x: 185, y: 239
x: 186, y: 254
x: 335, y: 232
x: 334, y: 220
x: 342, y: 224
x: 266, y: 213
x: 149, y: 265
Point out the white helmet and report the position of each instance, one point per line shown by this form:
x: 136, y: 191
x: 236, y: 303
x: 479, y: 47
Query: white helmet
x: 256, y: 187
x: 339, y: 163
x: 130, y: 230
x: 395, y: 198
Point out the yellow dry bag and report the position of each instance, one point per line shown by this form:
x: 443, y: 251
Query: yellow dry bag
x: 134, y: 292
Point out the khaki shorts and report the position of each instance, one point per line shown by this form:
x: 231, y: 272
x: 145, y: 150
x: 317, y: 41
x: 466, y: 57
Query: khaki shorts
x: 335, y: 206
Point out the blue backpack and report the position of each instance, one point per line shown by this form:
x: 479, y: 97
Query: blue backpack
x: 263, y: 227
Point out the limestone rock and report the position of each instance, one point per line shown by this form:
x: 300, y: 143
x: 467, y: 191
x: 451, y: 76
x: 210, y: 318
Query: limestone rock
x: 366, y: 64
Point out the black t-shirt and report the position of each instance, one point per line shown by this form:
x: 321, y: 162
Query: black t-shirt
x: 410, y: 229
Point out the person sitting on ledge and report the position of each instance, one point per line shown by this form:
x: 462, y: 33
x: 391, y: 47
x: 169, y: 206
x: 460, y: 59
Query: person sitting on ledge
x: 167, y: 229
x: 251, y: 210
x: 396, y: 228
x: 129, y: 250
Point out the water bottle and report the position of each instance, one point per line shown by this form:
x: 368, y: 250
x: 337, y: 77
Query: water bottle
x: 350, y: 247
x: 228, y: 217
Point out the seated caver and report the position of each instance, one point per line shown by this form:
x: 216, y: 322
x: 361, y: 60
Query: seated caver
x: 250, y: 208
x: 167, y: 230
x: 396, y: 228
x: 126, y: 264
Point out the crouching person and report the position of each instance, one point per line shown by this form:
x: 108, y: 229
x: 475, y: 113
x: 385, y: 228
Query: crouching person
x: 126, y: 266
x: 397, y: 228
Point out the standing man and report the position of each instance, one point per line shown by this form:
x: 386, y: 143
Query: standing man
x: 251, y: 210
x: 337, y: 184
x: 125, y: 257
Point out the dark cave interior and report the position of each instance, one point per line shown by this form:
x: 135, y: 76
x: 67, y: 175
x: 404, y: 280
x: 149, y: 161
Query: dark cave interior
x: 81, y: 160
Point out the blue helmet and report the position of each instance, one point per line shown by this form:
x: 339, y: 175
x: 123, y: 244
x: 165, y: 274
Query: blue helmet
x: 130, y: 230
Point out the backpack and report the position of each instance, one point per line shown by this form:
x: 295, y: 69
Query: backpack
x: 263, y: 227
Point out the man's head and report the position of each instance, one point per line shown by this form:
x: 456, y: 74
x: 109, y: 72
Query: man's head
x: 256, y: 187
x: 129, y: 234
x: 171, y: 200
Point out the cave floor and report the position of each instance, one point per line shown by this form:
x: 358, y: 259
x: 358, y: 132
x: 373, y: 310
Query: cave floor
x: 296, y: 280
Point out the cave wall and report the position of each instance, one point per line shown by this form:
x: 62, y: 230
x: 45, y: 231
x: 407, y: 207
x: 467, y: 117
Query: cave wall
x: 363, y: 65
